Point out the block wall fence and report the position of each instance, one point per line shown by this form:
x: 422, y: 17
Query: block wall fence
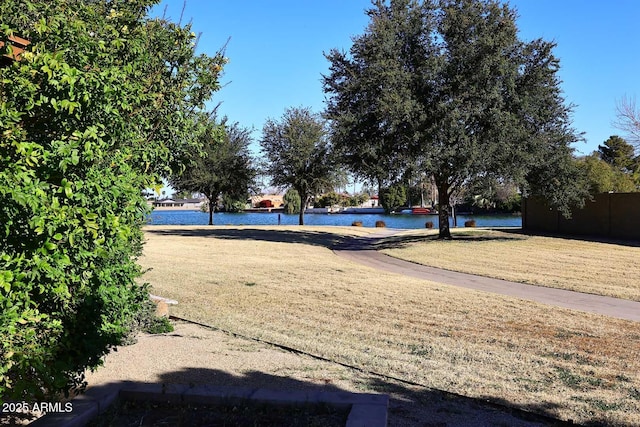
x: 610, y: 215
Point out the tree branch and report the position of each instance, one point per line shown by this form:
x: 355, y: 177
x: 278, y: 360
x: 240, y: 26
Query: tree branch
x: 628, y: 120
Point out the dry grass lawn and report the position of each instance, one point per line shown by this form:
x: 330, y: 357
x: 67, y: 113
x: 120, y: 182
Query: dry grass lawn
x: 592, y: 267
x: 284, y: 285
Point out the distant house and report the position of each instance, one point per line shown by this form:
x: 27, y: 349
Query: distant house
x: 267, y: 201
x: 186, y: 204
x: 373, y: 202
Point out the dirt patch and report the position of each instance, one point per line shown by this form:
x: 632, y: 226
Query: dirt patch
x: 194, y: 355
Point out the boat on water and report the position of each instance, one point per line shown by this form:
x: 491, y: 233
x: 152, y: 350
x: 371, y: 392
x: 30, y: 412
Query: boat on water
x: 419, y: 211
x: 347, y: 210
x: 355, y: 210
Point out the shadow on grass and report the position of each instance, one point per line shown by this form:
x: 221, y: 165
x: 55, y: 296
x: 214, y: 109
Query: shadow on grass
x: 340, y: 241
x: 328, y: 239
x: 401, y: 241
x: 581, y: 238
x: 409, y: 405
x: 309, y: 237
x: 449, y: 409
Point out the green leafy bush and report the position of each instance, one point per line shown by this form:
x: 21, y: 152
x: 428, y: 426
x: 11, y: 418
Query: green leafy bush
x: 331, y: 199
x: 292, y: 201
x: 334, y: 199
x: 146, y: 320
x: 393, y: 197
x: 103, y: 103
x: 159, y: 325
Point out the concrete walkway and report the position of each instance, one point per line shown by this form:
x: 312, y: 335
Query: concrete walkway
x: 363, y: 250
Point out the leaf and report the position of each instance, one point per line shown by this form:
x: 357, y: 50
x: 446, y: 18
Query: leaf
x: 5, y: 280
x: 75, y: 158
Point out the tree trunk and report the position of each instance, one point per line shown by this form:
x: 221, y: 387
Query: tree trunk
x: 303, y: 204
x: 211, y: 208
x: 443, y: 211
x: 453, y: 215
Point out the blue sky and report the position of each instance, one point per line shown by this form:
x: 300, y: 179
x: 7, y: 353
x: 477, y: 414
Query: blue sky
x: 276, y: 50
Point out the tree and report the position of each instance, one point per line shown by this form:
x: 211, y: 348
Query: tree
x: 100, y: 106
x: 393, y: 197
x: 182, y: 195
x: 224, y: 168
x: 619, y: 154
x: 472, y: 101
x: 603, y: 177
x: 299, y: 154
x: 358, y: 199
x: 628, y: 120
x: 292, y: 202
x: 330, y: 199
x: 372, y: 105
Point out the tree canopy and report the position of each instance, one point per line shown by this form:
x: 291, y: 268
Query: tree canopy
x: 372, y: 108
x: 602, y: 177
x: 292, y: 202
x: 619, y: 154
x: 447, y: 88
x: 100, y: 105
x: 298, y: 154
x: 223, y: 168
x: 612, y: 168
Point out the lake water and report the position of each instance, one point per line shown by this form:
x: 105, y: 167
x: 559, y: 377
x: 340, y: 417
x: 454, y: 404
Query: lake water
x: 368, y: 220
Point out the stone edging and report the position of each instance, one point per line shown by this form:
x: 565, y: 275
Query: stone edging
x: 368, y: 410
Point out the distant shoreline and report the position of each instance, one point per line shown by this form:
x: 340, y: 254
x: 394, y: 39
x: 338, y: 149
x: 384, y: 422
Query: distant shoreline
x: 176, y: 208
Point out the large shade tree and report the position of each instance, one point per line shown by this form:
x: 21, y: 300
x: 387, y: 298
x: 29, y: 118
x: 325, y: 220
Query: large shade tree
x: 298, y: 154
x: 372, y: 108
x: 98, y: 108
x: 459, y: 98
x: 224, y: 168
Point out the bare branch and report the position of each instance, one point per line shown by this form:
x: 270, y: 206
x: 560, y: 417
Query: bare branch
x: 628, y: 120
